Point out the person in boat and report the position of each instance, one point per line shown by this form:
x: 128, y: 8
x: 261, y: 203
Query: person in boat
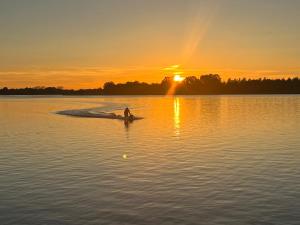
x: 127, y: 113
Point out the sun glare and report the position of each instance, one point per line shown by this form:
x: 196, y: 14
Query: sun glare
x: 178, y: 78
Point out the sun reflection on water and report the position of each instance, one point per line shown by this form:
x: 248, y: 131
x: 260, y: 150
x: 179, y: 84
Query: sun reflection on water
x: 176, y: 106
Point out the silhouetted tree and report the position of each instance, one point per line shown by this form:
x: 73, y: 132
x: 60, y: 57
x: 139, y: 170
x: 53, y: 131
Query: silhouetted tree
x: 49, y: 91
x: 205, y: 84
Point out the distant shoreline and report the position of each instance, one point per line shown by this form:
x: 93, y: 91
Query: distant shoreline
x: 204, y: 85
x: 99, y: 95
x: 144, y: 95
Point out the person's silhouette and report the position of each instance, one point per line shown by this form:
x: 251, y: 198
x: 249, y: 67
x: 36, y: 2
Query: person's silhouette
x: 127, y: 113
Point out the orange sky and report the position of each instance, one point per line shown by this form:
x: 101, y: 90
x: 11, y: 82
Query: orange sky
x: 82, y: 44
x: 95, y: 77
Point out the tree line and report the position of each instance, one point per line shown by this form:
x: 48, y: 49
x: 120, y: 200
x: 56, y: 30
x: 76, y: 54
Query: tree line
x: 192, y: 85
x: 48, y: 91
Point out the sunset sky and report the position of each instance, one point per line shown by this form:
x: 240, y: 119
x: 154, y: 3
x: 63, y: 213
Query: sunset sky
x: 84, y: 43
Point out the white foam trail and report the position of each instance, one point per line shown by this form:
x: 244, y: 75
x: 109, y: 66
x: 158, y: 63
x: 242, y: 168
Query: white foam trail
x: 93, y: 113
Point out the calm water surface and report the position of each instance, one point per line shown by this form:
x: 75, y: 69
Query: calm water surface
x: 191, y: 160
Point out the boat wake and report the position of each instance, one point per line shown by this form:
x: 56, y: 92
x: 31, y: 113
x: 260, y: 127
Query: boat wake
x: 99, y: 112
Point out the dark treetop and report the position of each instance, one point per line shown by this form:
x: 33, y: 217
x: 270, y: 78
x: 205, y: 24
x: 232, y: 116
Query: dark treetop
x: 206, y: 84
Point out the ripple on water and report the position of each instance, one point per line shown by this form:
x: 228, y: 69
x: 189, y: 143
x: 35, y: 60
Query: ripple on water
x: 192, y: 160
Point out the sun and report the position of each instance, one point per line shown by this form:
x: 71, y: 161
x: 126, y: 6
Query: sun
x: 178, y: 78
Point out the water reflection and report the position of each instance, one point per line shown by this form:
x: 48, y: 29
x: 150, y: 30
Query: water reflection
x: 127, y: 124
x: 176, y: 117
x: 128, y: 175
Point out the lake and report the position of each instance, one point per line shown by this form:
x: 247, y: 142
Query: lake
x: 191, y: 160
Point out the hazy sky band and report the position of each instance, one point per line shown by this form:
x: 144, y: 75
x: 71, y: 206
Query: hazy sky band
x: 82, y: 43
